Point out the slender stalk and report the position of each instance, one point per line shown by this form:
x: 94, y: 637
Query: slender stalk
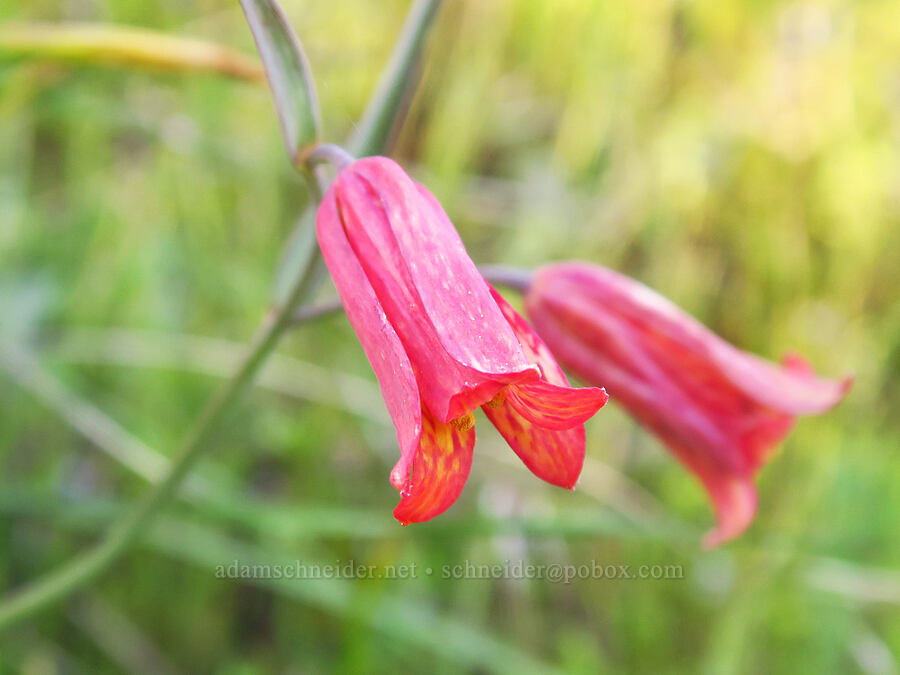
x: 288, y: 73
x: 327, y: 152
x: 312, y: 312
x: 503, y: 275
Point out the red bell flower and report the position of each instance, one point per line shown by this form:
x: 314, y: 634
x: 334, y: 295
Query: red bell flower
x: 441, y: 341
x: 720, y: 410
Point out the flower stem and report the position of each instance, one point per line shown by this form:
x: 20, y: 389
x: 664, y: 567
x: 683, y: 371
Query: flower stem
x: 327, y: 152
x: 503, y: 275
x: 308, y: 313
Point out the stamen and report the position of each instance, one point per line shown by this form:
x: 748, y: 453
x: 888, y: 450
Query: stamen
x: 498, y: 400
x: 463, y: 423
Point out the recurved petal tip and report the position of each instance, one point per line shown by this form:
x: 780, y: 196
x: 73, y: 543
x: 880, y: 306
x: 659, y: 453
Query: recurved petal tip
x: 735, y: 502
x: 556, y: 407
x: 830, y: 391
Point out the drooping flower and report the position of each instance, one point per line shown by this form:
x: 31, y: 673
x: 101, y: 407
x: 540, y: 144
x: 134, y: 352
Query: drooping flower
x: 720, y: 410
x: 441, y: 341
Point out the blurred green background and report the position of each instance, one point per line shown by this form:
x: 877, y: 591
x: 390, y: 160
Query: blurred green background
x: 741, y: 157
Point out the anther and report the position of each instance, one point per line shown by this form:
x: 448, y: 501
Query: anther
x: 498, y: 400
x: 463, y: 423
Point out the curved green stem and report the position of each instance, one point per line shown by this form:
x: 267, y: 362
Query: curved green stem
x: 328, y: 152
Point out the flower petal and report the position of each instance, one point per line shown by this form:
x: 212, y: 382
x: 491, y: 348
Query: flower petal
x: 439, y: 470
x: 732, y: 493
x: 610, y: 353
x: 550, y: 403
x: 720, y: 410
x: 378, y: 338
x: 454, y: 294
x: 792, y: 389
x: 554, y: 456
x: 535, y: 350
x: 554, y: 407
x: 735, y: 501
x: 458, y: 343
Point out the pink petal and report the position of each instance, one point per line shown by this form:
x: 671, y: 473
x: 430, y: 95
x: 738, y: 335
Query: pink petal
x: 735, y: 502
x: 378, y: 338
x: 535, y: 349
x: 723, y: 462
x: 379, y: 205
x: 548, y: 403
x: 554, y: 456
x: 554, y: 407
x: 791, y: 390
x: 543, y: 421
x: 721, y: 411
x: 439, y: 471
x: 453, y: 293
x: 611, y: 351
x: 733, y: 495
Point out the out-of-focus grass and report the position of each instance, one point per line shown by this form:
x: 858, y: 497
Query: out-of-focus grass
x: 740, y: 157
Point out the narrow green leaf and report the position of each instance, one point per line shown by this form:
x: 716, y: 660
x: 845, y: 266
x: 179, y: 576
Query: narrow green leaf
x: 397, y: 81
x: 288, y: 72
x: 116, y: 45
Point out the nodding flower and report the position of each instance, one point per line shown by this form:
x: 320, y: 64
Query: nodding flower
x: 720, y: 410
x: 442, y: 342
